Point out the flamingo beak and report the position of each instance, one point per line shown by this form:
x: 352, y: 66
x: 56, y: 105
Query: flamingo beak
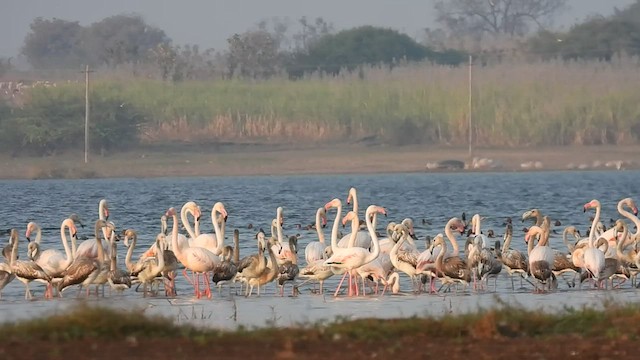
x: 635, y: 211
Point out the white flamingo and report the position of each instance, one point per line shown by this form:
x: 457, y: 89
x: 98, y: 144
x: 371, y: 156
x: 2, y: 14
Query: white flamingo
x: 52, y: 261
x: 197, y: 259
x: 594, y: 258
x: 354, y: 257
x: 314, y: 250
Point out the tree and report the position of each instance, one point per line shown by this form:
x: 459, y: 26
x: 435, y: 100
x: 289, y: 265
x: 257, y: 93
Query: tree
x: 495, y: 17
x: 53, y: 43
x: 363, y: 45
x: 252, y: 54
x: 121, y: 39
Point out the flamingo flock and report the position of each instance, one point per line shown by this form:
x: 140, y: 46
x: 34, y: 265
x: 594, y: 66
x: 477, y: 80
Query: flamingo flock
x: 363, y: 257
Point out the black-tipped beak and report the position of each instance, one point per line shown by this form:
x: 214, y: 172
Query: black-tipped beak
x: 584, y: 209
x: 414, y: 237
x: 28, y: 239
x: 226, y: 217
x: 75, y: 235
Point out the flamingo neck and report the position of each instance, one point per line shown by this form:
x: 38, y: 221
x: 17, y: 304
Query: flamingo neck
x: 631, y: 217
x: 452, y: 238
x: 592, y: 234
x: 219, y: 233
x: 319, y: 230
x: 185, y: 223
x: 177, y: 250
x: 236, y: 247
x: 65, y: 244
x: 127, y: 259
x: 355, y: 226
x: 334, y: 229
x: 374, y: 238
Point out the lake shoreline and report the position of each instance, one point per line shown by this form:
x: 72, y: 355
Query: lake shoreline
x: 265, y: 160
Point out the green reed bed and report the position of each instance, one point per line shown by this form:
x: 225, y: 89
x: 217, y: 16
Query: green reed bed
x: 551, y: 103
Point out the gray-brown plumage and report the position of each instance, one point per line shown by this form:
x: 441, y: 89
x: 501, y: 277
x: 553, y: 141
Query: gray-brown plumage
x: 452, y: 268
x: 6, y: 275
x: 25, y: 270
x: 83, y: 270
x: 252, y: 265
x: 289, y: 270
x: 227, y: 268
x: 118, y: 279
x: 515, y: 261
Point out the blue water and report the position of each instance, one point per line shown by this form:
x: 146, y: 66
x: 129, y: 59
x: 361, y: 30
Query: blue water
x: 139, y: 203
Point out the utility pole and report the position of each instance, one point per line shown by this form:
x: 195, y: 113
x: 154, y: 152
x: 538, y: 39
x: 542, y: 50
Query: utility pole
x: 86, y: 113
x: 470, y: 124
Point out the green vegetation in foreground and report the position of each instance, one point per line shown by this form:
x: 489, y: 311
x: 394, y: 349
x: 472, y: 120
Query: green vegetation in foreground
x: 94, y: 322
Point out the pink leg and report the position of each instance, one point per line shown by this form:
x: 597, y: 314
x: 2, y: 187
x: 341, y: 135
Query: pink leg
x: 340, y: 284
x: 208, y: 291
x: 184, y: 272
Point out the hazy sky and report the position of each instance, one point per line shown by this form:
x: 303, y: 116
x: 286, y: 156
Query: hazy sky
x: 209, y: 23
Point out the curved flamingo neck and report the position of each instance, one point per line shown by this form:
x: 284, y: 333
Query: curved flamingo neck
x: 159, y: 255
x: 177, y: 250
x: 127, y: 259
x: 355, y: 225
x: 38, y: 233
x: 452, y: 238
x: 629, y: 216
x: 374, y: 238
x: 14, y: 247
x: 100, y: 249
x: 354, y: 198
x: 476, y: 225
x: 592, y: 234
x: 621, y: 244
x: 219, y: 233
x: 185, y: 222
x: 507, y: 242
x: 65, y: 243
x: 334, y: 229
x: 319, y: 230
x: 394, y: 250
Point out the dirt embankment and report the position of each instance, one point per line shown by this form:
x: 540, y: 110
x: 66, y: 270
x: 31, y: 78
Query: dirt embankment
x: 268, y: 160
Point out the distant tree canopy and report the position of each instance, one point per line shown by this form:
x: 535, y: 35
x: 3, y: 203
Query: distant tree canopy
x: 115, y: 40
x: 349, y: 49
x: 599, y: 38
x: 494, y: 17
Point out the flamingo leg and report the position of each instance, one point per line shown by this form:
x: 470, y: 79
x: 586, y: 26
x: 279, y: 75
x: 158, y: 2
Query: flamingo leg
x: 340, y: 284
x: 208, y: 291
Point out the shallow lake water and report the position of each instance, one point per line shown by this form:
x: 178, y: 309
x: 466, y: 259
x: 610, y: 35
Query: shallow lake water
x: 139, y: 203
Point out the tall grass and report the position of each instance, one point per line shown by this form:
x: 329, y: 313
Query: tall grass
x: 554, y: 103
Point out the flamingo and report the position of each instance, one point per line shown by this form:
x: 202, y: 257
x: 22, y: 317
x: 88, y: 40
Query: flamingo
x: 594, y: 258
x: 289, y: 270
x: 83, y: 270
x: 314, y: 250
x: 197, y: 259
x: 477, y: 232
x: 213, y: 242
x: 451, y: 268
x: 88, y: 248
x: 6, y: 274
x: 512, y: 259
x: 541, y: 256
x: 317, y: 271
x: 52, y: 261
x: 25, y: 270
x: 354, y: 257
x: 268, y: 273
x: 153, y: 266
x: 405, y: 261
x: 253, y: 265
x: 361, y: 238
x: 118, y: 279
